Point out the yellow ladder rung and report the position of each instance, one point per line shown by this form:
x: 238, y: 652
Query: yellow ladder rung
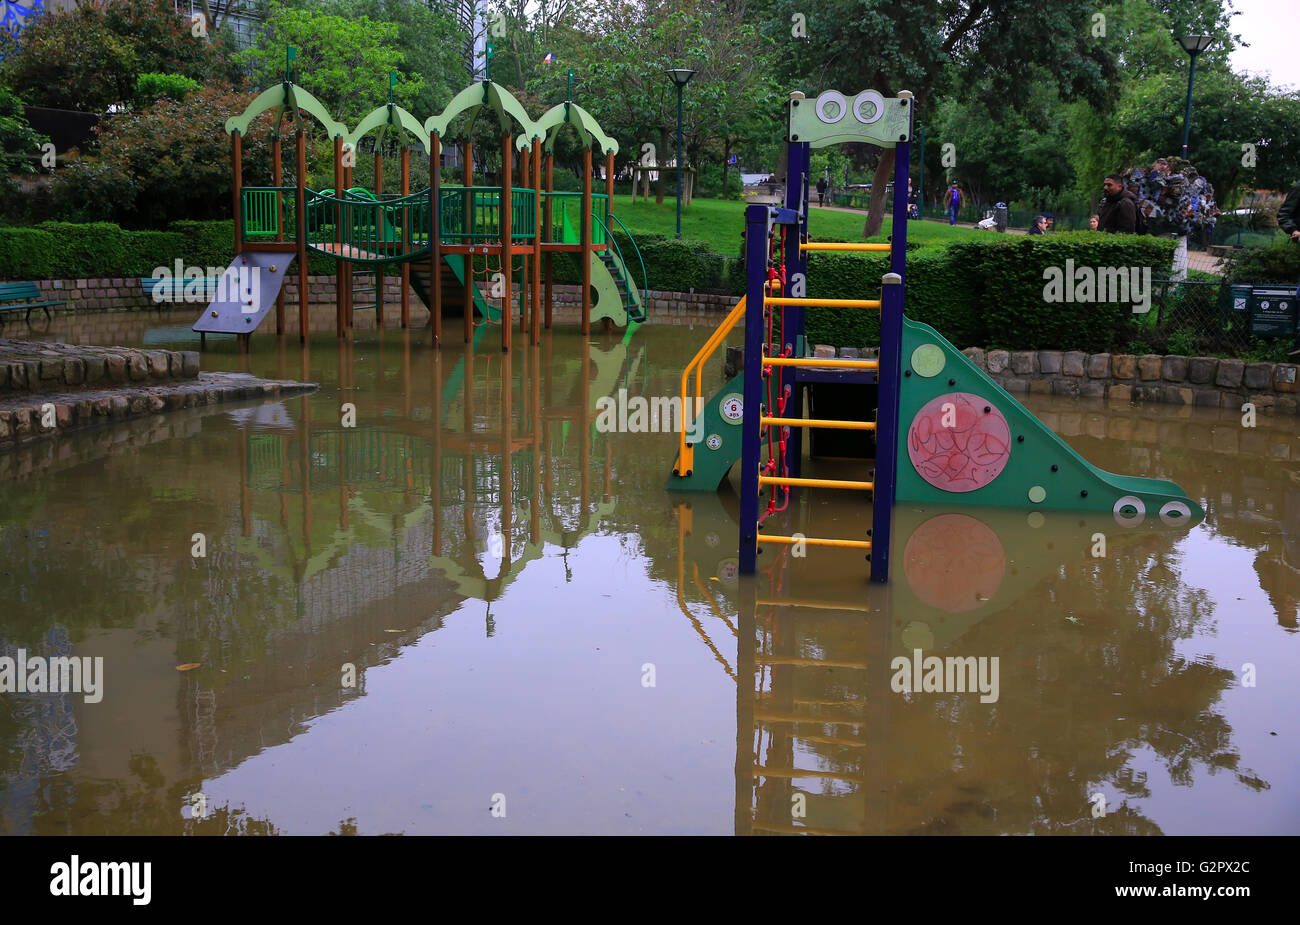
x: 814, y: 541
x: 810, y: 422
x: 814, y: 361
x: 815, y: 483
x: 813, y: 246
x: 822, y: 303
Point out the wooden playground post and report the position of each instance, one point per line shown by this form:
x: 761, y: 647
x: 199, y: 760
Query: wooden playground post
x: 469, y: 232
x: 546, y: 223
x: 277, y: 179
x: 584, y: 255
x: 237, y: 169
x: 435, y: 237
x: 339, y: 318
x: 379, y: 236
x: 534, y: 295
x: 347, y: 266
x: 303, y: 295
x: 406, y: 237
x: 525, y: 172
x: 506, y: 236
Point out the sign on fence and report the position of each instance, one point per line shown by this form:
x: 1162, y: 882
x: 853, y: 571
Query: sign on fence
x: 1273, y: 312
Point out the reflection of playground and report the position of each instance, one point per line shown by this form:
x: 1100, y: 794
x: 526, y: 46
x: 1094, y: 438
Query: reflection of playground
x: 456, y: 515
x: 821, y: 731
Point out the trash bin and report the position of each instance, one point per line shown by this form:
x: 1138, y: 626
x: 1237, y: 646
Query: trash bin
x: 1000, y: 216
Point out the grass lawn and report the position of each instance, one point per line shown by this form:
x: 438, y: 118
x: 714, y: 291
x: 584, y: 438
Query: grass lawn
x: 717, y: 223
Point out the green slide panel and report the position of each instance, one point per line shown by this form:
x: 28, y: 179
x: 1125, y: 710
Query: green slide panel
x: 487, y: 310
x: 964, y: 441
x: 719, y: 445
x: 607, y: 302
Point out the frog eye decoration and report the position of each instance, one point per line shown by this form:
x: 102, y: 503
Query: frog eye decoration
x: 14, y: 14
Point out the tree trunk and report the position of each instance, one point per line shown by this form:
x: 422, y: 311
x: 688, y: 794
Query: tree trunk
x: 876, y: 205
x: 726, y: 164
x: 659, y: 161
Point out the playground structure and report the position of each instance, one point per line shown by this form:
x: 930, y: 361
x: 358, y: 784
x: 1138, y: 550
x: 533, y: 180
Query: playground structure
x: 434, y: 236
x: 944, y: 432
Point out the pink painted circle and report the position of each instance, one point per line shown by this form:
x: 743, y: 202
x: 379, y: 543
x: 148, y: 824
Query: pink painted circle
x: 955, y: 446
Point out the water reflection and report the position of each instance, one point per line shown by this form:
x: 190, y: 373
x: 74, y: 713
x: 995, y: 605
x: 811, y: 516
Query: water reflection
x: 499, y: 571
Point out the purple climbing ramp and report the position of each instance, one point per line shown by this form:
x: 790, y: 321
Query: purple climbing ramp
x: 245, y: 292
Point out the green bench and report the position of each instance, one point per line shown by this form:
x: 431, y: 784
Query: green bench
x: 173, y: 290
x: 27, y: 296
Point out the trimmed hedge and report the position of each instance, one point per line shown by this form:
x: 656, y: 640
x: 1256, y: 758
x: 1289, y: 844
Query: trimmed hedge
x: 989, y: 292
x: 72, y: 250
x: 26, y: 254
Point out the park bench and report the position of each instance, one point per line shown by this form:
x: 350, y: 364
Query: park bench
x: 173, y: 290
x: 27, y: 296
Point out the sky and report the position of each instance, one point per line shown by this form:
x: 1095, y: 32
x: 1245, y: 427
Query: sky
x: 1270, y: 26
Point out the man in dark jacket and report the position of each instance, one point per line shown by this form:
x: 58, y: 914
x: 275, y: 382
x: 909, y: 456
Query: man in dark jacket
x: 1118, y: 211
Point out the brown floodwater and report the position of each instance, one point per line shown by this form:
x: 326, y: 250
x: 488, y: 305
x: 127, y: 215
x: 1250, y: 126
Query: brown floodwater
x: 546, y: 641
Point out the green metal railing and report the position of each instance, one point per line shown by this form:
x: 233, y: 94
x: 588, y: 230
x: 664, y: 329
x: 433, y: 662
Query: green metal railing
x: 367, y: 229
x: 636, y: 309
x: 472, y: 214
x: 566, y: 210
x: 261, y: 207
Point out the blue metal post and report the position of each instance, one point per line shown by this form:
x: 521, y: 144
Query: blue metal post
x: 891, y: 374
x: 756, y: 226
x: 796, y: 262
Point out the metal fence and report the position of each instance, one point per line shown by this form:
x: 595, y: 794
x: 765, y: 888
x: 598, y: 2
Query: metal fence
x: 1193, y: 319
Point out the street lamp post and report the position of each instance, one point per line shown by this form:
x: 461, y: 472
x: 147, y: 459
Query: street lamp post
x: 1193, y: 45
x: 681, y: 76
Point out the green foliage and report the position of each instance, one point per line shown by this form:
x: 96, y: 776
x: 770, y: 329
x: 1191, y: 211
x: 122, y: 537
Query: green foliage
x: 1183, y: 342
x: 144, y: 251
x: 166, y: 162
x: 343, y: 61
x: 987, y: 292
x: 1273, y: 350
x: 149, y: 88
x: 20, y: 145
x: 91, y: 249
x: 89, y: 58
x: 26, y: 254
x: 1279, y: 262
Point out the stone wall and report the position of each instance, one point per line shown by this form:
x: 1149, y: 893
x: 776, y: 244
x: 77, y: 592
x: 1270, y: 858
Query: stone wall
x: 126, y: 294
x: 46, y: 366
x: 1176, y: 380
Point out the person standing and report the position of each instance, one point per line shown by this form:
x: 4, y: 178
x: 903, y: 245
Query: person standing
x: 954, y: 203
x: 821, y: 191
x: 1118, y: 212
x: 1093, y: 221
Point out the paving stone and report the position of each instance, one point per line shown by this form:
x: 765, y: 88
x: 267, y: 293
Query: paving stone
x: 1024, y: 362
x: 1099, y: 366
x: 976, y: 356
x: 1120, y: 393
x: 1230, y: 373
x: 1049, y: 362
x: 1173, y: 368
x: 1123, y: 366
x: 998, y: 360
x: 1173, y: 395
x: 1201, y: 370
x: 1072, y: 362
x: 1258, y: 376
x: 1149, y: 367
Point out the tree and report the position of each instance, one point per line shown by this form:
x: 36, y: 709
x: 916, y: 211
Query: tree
x: 20, y: 144
x: 168, y: 161
x: 343, y: 61
x: 88, y: 58
x: 921, y: 46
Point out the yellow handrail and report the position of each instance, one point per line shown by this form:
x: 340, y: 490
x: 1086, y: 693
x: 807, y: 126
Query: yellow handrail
x: 825, y: 303
x: 814, y: 541
x: 815, y: 483
x: 812, y: 246
x: 815, y: 422
x: 686, y: 451
x: 818, y: 361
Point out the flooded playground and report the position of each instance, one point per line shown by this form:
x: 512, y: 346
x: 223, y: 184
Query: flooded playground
x: 544, y: 640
